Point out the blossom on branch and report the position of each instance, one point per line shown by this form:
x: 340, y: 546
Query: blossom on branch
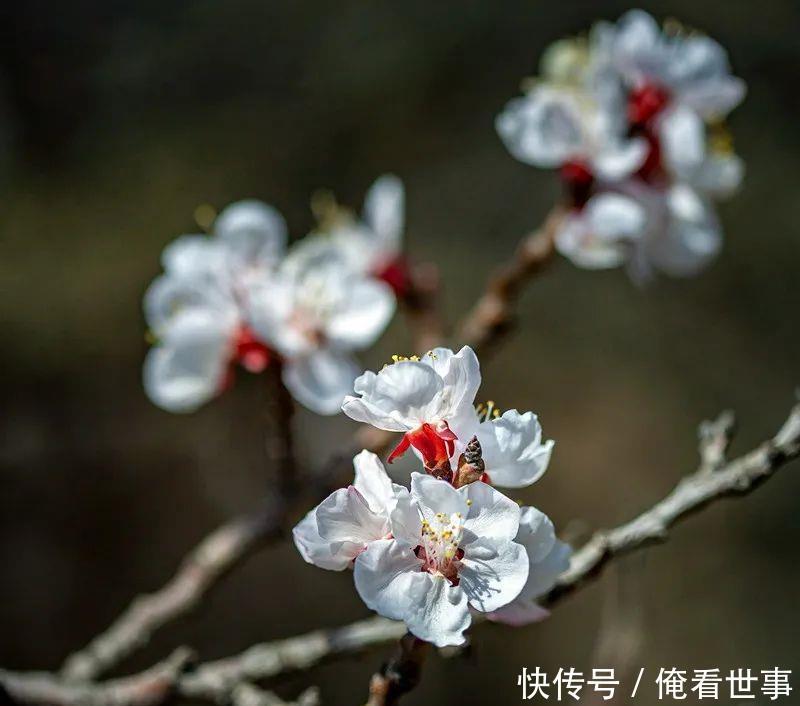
x: 632, y: 117
x: 431, y: 401
x: 197, y: 310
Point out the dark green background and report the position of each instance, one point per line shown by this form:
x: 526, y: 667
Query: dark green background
x: 118, y: 118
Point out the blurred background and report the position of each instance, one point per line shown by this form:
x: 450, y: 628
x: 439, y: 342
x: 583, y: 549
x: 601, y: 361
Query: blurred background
x: 118, y: 119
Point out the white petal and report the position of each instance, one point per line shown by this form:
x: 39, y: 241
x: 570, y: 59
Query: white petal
x: 403, y: 392
x: 575, y: 240
x: 461, y: 379
x: 405, y: 521
x: 372, y: 481
x: 362, y: 314
x: 614, y: 217
x: 543, y: 128
x: 345, y: 516
x: 619, y: 159
x: 683, y: 140
x: 437, y: 496
x: 536, y: 533
x: 366, y: 410
x: 491, y: 514
x: 700, y: 71
x: 638, y: 47
x: 692, y: 237
x: 493, y: 572
x: 388, y: 578
x: 318, y: 551
x: 188, y: 366
x: 320, y: 380
x: 170, y: 294
x: 384, y: 211
x: 544, y: 574
x: 441, y: 615
x: 512, y: 449
x: 719, y: 176
x: 254, y: 231
x: 195, y: 255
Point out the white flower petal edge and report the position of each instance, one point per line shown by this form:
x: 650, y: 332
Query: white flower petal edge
x: 513, y: 451
x: 548, y: 558
x: 343, y: 525
x: 188, y: 366
x: 254, y: 232
x: 384, y: 213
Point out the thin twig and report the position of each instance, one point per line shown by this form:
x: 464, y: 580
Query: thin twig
x: 149, y: 688
x: 492, y: 315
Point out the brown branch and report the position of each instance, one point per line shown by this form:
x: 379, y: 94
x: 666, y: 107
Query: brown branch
x: 216, y: 681
x: 400, y: 674
x: 279, y: 439
x: 147, y: 688
x: 492, y: 315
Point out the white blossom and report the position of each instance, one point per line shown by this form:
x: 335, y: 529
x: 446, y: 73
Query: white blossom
x: 314, y: 311
x: 632, y: 117
x: 196, y: 309
x: 429, y: 399
x: 450, y: 550
x: 512, y: 449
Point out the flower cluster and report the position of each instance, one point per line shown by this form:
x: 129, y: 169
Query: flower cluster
x: 452, y: 544
x: 237, y: 297
x: 632, y: 116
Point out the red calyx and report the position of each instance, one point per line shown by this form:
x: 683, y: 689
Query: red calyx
x: 646, y: 102
x: 249, y: 352
x: 578, y: 181
x: 396, y: 274
x: 435, y: 446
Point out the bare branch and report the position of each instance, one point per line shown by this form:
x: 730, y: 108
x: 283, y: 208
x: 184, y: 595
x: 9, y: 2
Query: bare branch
x: 214, y: 680
x: 148, y: 688
x: 694, y: 492
x: 492, y: 314
x: 714, y: 437
x: 217, y: 681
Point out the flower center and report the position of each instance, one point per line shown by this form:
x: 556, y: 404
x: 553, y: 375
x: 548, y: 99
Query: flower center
x: 249, y: 352
x: 646, y: 102
x: 396, y: 274
x: 578, y: 180
x: 439, y: 546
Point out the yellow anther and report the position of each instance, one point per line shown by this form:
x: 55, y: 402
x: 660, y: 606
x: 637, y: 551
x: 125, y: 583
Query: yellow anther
x: 469, y: 502
x: 204, y: 216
